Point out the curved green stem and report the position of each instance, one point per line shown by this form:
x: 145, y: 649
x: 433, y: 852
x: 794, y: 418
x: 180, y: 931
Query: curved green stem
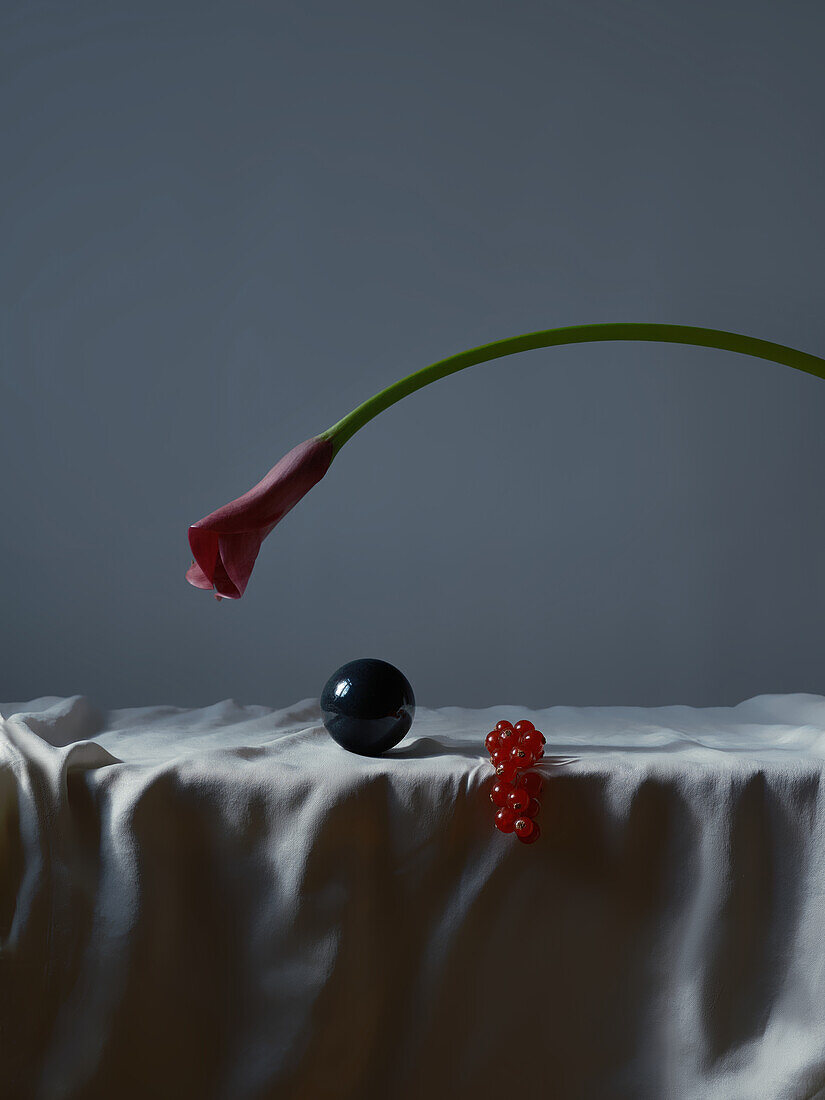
x: 574, y: 334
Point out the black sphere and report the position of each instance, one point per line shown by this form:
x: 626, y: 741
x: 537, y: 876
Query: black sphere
x: 367, y: 706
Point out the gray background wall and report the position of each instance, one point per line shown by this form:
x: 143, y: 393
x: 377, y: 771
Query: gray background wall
x: 225, y: 224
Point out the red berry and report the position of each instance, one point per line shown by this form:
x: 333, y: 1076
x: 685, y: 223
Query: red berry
x: 521, y: 757
x: 499, y: 792
x: 507, y: 772
x: 491, y: 741
x: 523, y: 726
x: 517, y: 800
x: 531, y: 781
x: 507, y: 738
x: 500, y: 756
x: 532, y: 837
x: 543, y: 738
x: 531, y: 740
x: 505, y: 821
x: 503, y: 726
x: 533, y: 807
x: 523, y: 826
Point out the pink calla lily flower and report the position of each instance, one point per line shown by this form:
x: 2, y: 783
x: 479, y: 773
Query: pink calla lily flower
x: 225, y: 543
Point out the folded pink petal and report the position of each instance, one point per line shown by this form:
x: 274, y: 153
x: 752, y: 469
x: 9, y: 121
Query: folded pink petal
x: 225, y: 544
x: 195, y: 575
x: 237, y: 553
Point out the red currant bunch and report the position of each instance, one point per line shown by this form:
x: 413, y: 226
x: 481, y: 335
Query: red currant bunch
x: 514, y: 749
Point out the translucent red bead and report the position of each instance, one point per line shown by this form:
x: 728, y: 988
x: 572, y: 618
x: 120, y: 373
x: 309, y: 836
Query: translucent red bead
x: 521, y: 757
x: 531, y: 741
x: 524, y: 826
x: 500, y: 792
x: 514, y: 749
x: 500, y: 756
x: 532, y: 837
x: 531, y: 781
x: 517, y: 800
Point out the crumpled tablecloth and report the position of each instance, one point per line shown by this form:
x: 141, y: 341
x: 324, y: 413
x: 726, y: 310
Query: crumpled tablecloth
x: 223, y: 903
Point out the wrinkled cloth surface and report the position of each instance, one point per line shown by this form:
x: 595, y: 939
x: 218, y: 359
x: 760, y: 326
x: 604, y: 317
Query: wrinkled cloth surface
x: 223, y: 903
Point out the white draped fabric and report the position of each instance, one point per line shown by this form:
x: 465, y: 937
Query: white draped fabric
x: 223, y: 903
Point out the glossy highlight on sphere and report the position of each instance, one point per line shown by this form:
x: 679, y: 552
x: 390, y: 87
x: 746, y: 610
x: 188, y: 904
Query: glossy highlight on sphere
x: 367, y: 706
x: 500, y: 792
x: 518, y: 800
